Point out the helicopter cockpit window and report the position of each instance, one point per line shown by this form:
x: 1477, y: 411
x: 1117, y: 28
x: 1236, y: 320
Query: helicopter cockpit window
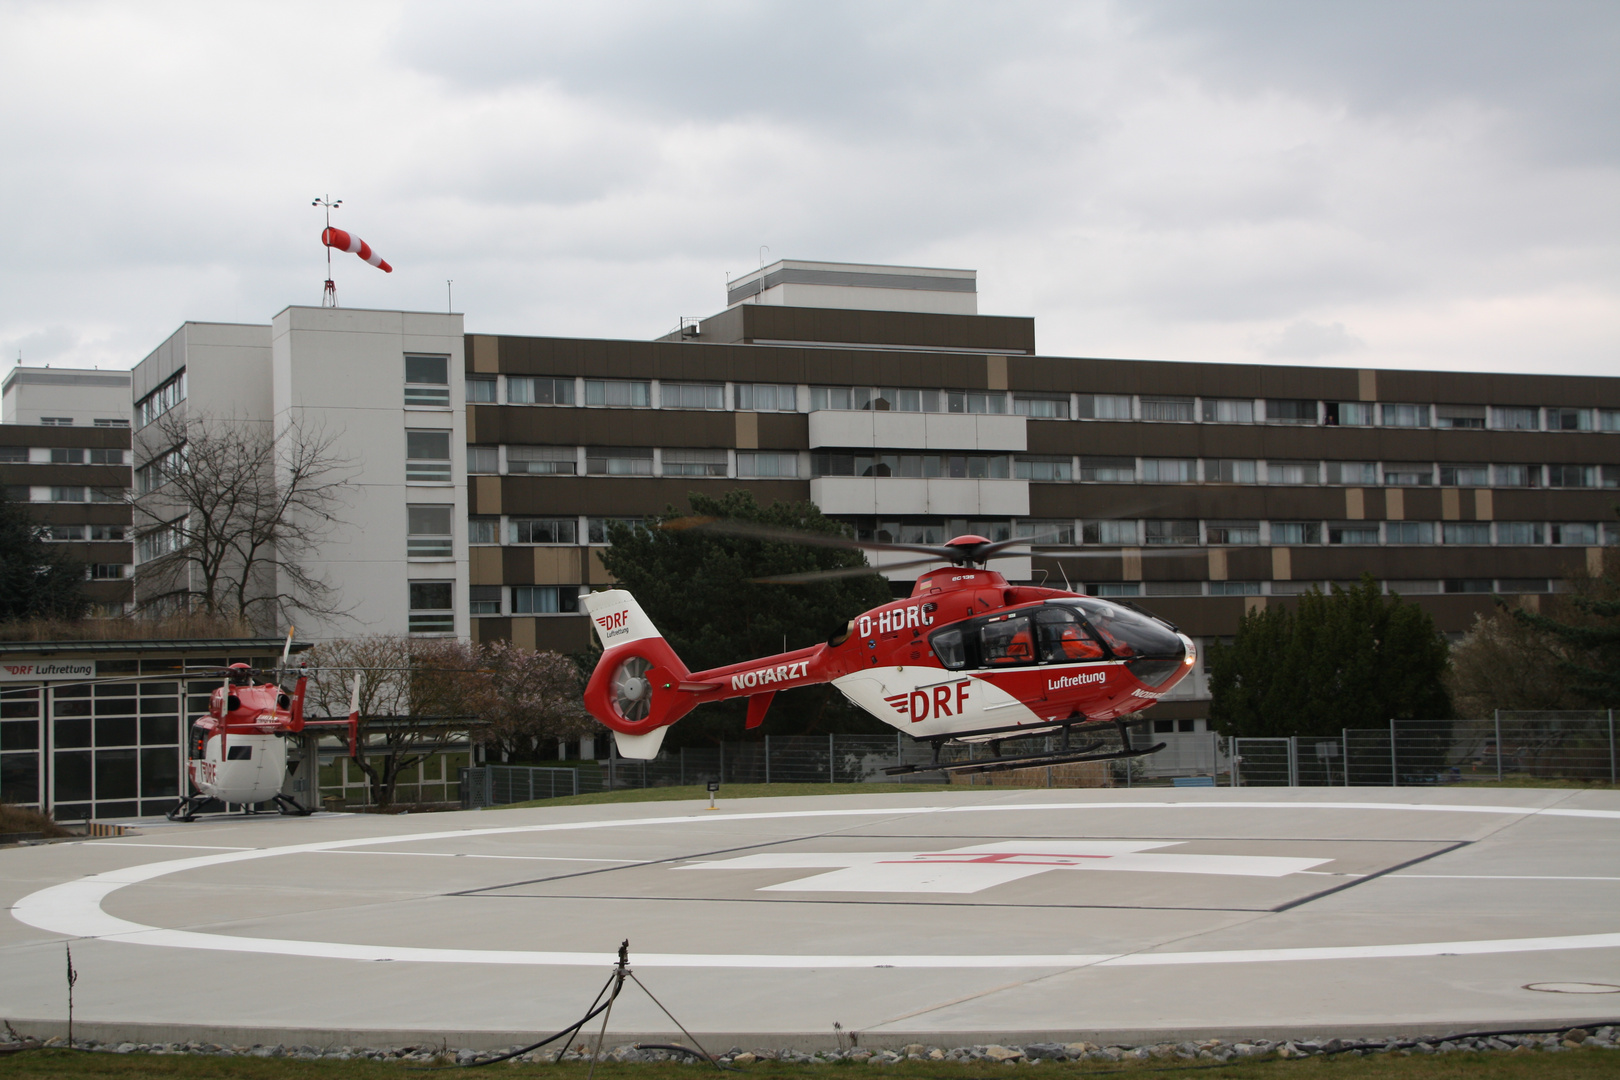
x: 947, y: 646
x: 1006, y: 640
x: 1063, y: 638
x: 239, y: 753
x: 1129, y: 634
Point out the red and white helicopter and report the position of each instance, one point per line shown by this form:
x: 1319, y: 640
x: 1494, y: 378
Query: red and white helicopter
x: 967, y: 656
x: 238, y: 752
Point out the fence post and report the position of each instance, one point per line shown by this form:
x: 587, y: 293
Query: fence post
x: 1344, y: 737
x: 830, y: 752
x: 1232, y: 759
x: 1394, y: 776
x: 1611, y: 747
x: 1293, y: 761
x: 722, y: 761
x: 613, y: 763
x: 767, y: 759
x: 1498, y: 715
x: 489, y: 786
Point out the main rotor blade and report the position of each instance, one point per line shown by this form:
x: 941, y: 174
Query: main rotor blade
x: 799, y: 536
x: 811, y: 576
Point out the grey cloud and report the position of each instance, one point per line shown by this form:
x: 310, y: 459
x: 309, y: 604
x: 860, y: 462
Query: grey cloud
x: 1311, y: 341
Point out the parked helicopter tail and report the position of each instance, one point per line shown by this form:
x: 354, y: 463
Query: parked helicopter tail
x: 639, y: 686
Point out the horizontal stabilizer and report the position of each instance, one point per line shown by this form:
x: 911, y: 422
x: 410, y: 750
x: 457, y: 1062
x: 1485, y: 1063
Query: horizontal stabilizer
x: 640, y: 747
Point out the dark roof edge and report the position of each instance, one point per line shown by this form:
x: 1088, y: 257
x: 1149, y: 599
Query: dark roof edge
x: 152, y: 645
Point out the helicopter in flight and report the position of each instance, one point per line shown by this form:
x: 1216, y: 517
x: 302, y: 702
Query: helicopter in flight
x: 967, y: 656
x: 238, y: 752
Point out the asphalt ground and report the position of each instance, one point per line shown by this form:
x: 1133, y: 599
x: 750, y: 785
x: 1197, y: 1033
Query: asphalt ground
x: 994, y: 915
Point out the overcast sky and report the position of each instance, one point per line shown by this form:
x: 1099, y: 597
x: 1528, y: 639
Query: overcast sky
x: 1403, y: 184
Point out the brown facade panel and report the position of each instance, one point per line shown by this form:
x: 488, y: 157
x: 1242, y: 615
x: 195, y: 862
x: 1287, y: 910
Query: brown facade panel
x: 623, y: 496
x: 543, y: 425
x: 1554, y: 504
x: 79, y: 513
x: 1213, y: 501
x: 96, y: 438
x: 109, y: 477
x: 917, y: 329
x: 783, y: 431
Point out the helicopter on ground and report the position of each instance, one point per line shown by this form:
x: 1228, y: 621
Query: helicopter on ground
x: 967, y: 657
x: 238, y: 752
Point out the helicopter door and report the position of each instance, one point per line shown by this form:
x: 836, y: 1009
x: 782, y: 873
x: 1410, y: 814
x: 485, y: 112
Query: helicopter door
x: 1006, y: 640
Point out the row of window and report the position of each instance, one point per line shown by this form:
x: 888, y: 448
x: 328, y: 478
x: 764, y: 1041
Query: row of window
x: 60, y: 455
x: 629, y: 461
x: 1194, y: 532
x: 169, y: 393
x: 67, y: 421
x: 767, y: 397
x: 1111, y: 469
x: 83, y: 532
x: 71, y: 493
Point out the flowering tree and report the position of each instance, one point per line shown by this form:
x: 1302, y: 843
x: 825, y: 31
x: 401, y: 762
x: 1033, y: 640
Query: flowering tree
x: 525, y: 698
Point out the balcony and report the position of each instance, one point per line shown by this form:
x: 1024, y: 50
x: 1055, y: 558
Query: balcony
x: 932, y: 496
x: 917, y: 431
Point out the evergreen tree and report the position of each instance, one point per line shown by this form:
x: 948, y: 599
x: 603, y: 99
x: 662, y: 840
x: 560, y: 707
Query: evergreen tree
x: 697, y: 587
x: 1589, y: 632
x: 37, y: 580
x: 1351, y: 658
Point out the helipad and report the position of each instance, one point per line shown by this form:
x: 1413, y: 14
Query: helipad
x: 948, y: 918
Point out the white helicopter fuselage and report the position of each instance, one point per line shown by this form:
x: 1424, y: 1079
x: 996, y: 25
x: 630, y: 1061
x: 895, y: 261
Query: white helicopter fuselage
x: 237, y: 768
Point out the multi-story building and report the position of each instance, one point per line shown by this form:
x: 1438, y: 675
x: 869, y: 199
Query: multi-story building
x: 65, y: 397
x: 487, y: 465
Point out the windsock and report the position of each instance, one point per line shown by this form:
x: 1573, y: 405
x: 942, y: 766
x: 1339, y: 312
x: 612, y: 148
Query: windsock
x: 337, y: 238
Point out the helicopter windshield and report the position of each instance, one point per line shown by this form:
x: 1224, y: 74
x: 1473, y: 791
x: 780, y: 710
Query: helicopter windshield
x: 1151, y: 650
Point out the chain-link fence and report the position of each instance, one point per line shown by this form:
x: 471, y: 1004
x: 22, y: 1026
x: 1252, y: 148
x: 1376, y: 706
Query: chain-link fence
x: 1508, y: 746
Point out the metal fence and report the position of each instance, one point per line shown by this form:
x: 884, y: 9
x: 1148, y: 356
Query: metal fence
x: 1507, y: 746
x: 499, y: 785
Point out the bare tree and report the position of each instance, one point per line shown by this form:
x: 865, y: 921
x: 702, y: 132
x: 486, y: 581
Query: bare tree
x: 527, y: 697
x: 412, y: 696
x: 227, y: 515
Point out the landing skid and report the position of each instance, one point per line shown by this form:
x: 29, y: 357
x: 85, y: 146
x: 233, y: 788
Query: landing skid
x: 1064, y: 755
x: 291, y: 806
x: 186, y: 809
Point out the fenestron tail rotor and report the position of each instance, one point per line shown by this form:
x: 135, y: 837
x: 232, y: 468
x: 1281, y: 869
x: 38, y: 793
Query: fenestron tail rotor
x: 631, y: 689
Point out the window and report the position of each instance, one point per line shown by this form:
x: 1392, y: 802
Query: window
x: 106, y: 532
x: 1044, y: 468
x: 1408, y: 474
x: 1296, y: 532
x: 1228, y: 471
x: 1572, y: 476
x: 907, y: 400
x: 1575, y: 532
x: 544, y: 599
x: 543, y: 530
x: 106, y: 457
x: 1460, y: 416
x: 618, y: 393
x: 1611, y: 533
x: 427, y: 457
x: 1515, y: 418
x: 1228, y: 411
x: 1168, y: 470
x: 1104, y: 407
x: 1006, y: 641
x: 67, y: 455
x: 1164, y: 531
x: 1518, y: 476
x: 1045, y: 532
x: 1522, y: 585
x: 1569, y: 419
x: 1348, y: 413
x: 619, y: 460
x: 171, y: 392
x: 160, y: 470
x: 1409, y: 532
x: 1465, y: 532
x: 160, y: 541
x: 1611, y: 476
x: 111, y: 421
x: 427, y: 380
x: 598, y: 528
x: 1290, y: 411
x: 839, y: 398
x: 1352, y: 472
x: 865, y: 463
x: 1115, y: 533
x: 1111, y: 469
x: 1166, y: 408
x: 1114, y: 588
x: 541, y: 390
x: 484, y: 530
x: 428, y: 532
x: 1042, y: 406
x: 1233, y: 532
x: 1468, y: 585
x: 484, y: 600
x: 1175, y: 588
x: 1406, y: 416
x: 480, y: 391
x: 431, y: 610
x: 1291, y: 472
x: 1520, y: 532
x: 62, y: 532
x: 67, y: 494
x: 694, y: 463
x: 1353, y: 532
x: 543, y: 460
x: 13, y: 455
x: 766, y: 397
x: 762, y: 465
x: 1465, y: 476
x: 105, y: 572
x: 1609, y: 419
x: 107, y: 495
x: 676, y: 395
x: 975, y: 401
x: 1234, y: 588
x: 483, y: 460
x: 18, y: 493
